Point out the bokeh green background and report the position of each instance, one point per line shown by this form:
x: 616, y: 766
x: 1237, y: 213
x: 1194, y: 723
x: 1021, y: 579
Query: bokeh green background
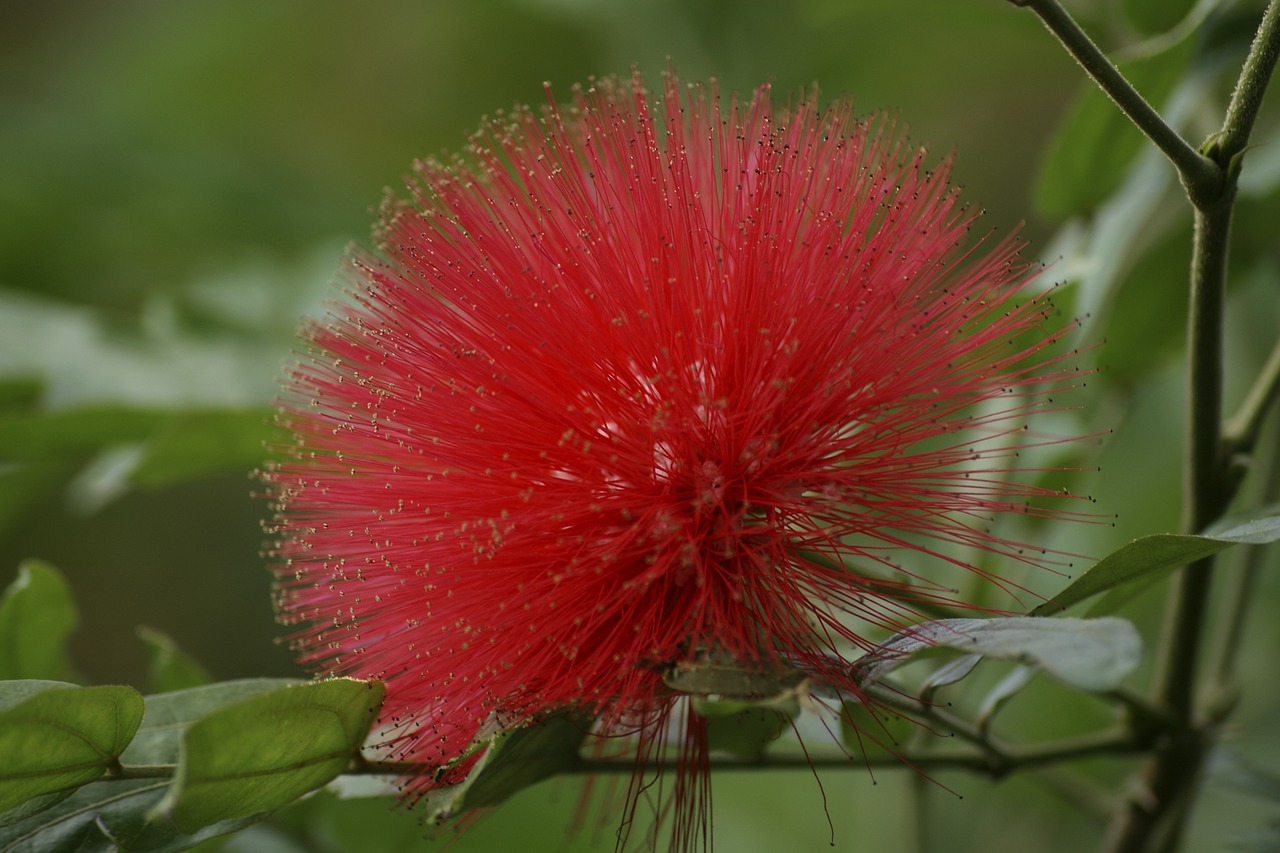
x: 178, y: 183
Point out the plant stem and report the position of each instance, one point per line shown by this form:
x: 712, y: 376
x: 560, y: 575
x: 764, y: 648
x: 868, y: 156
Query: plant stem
x: 1199, y: 175
x: 1242, y: 588
x: 1155, y: 820
x: 994, y: 760
x: 1251, y: 88
x: 1241, y: 432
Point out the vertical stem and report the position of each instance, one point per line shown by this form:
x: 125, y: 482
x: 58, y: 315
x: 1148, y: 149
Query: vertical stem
x: 1204, y: 495
x: 1154, y: 821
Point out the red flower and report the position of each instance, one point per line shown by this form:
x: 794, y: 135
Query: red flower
x: 622, y: 390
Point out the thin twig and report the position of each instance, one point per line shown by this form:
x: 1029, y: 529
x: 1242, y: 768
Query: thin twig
x: 1240, y: 433
x: 1241, y: 592
x: 1251, y: 88
x: 1201, y: 177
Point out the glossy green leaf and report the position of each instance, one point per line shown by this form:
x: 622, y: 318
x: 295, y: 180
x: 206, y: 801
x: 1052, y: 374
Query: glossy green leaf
x: 1096, y: 144
x: 514, y: 760
x: 169, y: 667
x: 1090, y: 654
x: 1149, y: 558
x: 55, y: 736
x: 264, y: 752
x: 37, y: 617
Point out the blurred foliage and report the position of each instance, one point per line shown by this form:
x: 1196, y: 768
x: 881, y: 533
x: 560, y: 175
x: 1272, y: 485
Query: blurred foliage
x: 180, y: 181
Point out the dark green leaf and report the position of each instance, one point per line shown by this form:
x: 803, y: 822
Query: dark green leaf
x: 107, y: 817
x: 513, y: 761
x: 1149, y: 558
x: 34, y: 806
x: 264, y: 752
x: 169, y: 668
x: 56, y: 736
x: 37, y: 617
x: 1092, y: 151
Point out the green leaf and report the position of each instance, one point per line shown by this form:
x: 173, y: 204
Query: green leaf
x: 55, y: 736
x: 514, y: 760
x: 169, y: 668
x: 113, y: 815
x: 1090, y: 654
x: 1092, y: 151
x: 107, y: 817
x: 1150, y: 558
x: 262, y: 753
x: 37, y: 617
x: 168, y: 715
x: 197, y: 444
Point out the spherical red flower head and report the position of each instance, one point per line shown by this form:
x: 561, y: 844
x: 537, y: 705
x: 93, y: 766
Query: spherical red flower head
x: 627, y: 388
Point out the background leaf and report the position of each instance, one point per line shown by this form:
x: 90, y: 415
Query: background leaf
x: 37, y: 617
x: 169, y: 667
